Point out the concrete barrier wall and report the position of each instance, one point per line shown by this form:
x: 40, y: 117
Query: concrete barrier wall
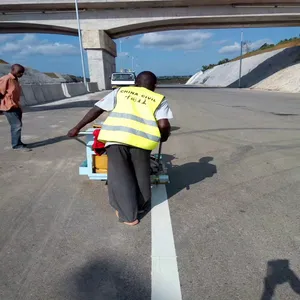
x: 53, y: 92
x: 74, y: 89
x: 93, y: 87
x: 39, y: 94
x: 23, y: 103
x: 28, y: 95
x: 65, y: 90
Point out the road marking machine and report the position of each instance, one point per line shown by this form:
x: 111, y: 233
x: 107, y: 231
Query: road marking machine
x: 95, y: 164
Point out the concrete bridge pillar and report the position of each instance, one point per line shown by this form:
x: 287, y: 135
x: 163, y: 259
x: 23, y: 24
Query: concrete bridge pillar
x: 101, y: 53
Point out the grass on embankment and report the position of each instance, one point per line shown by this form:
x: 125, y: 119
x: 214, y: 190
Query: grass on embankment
x: 52, y: 75
x: 287, y: 44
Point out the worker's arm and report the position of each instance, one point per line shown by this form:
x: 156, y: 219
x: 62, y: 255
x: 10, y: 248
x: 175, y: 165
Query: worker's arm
x: 163, y: 114
x: 164, y: 128
x: 92, y: 115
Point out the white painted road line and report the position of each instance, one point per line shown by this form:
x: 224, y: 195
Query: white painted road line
x: 165, y: 276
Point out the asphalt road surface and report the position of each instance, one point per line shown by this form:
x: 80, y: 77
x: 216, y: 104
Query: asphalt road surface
x: 234, y: 165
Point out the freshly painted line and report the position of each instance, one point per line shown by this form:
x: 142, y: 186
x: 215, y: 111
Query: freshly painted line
x: 165, y: 276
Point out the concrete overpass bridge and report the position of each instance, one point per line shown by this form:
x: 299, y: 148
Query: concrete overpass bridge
x: 104, y: 20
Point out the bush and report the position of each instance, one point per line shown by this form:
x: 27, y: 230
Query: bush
x: 224, y: 61
x: 289, y: 40
x: 210, y: 66
x: 266, y: 46
x: 204, y: 68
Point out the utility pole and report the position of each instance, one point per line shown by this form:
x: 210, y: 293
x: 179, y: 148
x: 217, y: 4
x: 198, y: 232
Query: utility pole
x: 121, y: 53
x: 241, y: 59
x: 132, y: 64
x: 80, y: 43
x: 121, y: 46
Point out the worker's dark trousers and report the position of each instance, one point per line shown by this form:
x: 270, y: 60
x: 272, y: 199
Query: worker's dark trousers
x: 129, y: 185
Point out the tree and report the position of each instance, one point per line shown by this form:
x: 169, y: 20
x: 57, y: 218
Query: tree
x: 266, y: 46
x: 224, y: 61
x: 247, y: 46
x: 204, y: 68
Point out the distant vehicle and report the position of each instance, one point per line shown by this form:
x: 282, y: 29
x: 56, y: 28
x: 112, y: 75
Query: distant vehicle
x: 122, y: 79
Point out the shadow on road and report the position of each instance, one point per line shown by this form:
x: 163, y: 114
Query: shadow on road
x: 48, y: 141
x: 83, y: 104
x: 109, y: 279
x: 174, y: 128
x: 183, y: 176
x: 54, y: 140
x: 279, y: 272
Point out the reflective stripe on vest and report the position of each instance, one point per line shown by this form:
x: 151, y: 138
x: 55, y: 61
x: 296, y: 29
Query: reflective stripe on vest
x: 132, y: 122
x: 132, y: 131
x: 134, y: 118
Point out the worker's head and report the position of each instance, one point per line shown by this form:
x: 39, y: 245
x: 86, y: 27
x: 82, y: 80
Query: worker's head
x: 147, y: 80
x: 17, y: 70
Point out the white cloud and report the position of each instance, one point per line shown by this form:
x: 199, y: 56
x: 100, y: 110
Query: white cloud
x: 126, y: 38
x: 123, y: 54
x: 5, y: 37
x: 9, y: 47
x: 54, y: 49
x: 230, y: 49
x: 29, y: 44
x: 176, y: 40
x: 221, y: 42
x: 236, y: 47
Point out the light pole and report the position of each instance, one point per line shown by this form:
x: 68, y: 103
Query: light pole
x: 80, y: 43
x: 121, y: 46
x: 132, y: 63
x: 241, y: 58
x: 121, y: 41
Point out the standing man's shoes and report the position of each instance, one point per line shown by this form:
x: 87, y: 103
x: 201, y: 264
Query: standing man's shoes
x: 23, y: 149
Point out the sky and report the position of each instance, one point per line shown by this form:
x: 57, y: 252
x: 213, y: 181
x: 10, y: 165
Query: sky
x: 164, y: 53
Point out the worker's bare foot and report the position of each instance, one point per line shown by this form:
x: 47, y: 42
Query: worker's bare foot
x: 128, y: 223
x: 132, y: 223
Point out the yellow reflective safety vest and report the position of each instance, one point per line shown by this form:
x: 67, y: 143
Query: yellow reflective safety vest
x: 132, y: 121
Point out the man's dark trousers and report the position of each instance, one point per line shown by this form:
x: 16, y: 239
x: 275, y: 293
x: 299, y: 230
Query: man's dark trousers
x: 129, y: 185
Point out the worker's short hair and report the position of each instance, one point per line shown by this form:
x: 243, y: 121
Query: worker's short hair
x: 146, y: 79
x: 17, y: 67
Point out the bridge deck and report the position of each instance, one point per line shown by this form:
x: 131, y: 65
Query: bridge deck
x: 7, y: 5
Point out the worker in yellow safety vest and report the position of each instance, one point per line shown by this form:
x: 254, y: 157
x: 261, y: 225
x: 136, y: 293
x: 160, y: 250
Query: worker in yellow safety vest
x: 138, y: 121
